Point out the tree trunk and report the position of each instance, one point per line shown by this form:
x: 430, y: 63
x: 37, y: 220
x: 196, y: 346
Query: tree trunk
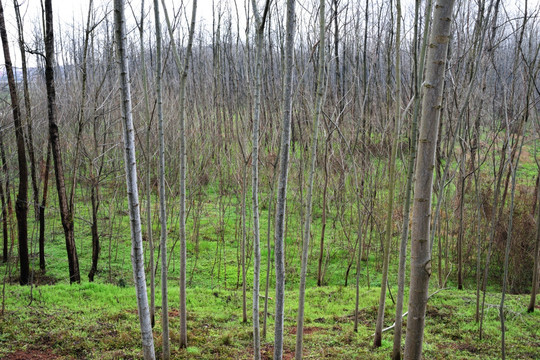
x: 166, y: 351
x: 65, y: 213
x: 244, y: 244
x: 429, y: 124
x: 282, y: 185
x: 534, y: 288
x: 268, y: 248
x: 137, y: 258
x: 418, y: 71
x: 320, y: 275
x: 94, y: 228
x: 183, y: 70
x: 5, y: 255
x: 319, y: 98
x: 21, y: 207
x: 42, y: 207
x: 28, y: 112
x: 259, y: 23
x: 507, y: 248
x: 148, y: 119
x: 391, y: 184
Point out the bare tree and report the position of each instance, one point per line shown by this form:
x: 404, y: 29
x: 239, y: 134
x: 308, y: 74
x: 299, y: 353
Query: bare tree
x: 418, y: 71
x: 319, y: 98
x: 429, y: 125
x: 162, y: 198
x: 259, y: 23
x: 137, y: 257
x: 183, y: 70
x: 21, y: 207
x: 148, y: 118
x: 513, y: 168
x: 66, y: 214
x: 391, y: 183
x: 282, y: 184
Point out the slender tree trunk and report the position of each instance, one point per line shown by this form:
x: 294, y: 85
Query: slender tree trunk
x: 244, y: 244
x: 5, y: 252
x: 320, y: 275
x: 418, y: 71
x: 259, y: 23
x: 42, y: 206
x: 461, y: 189
x: 137, y: 257
x: 166, y: 351
x: 507, y: 250
x: 183, y: 70
x: 391, y: 184
x: 65, y: 213
x: 319, y: 98
x: 492, y: 233
x: 21, y: 207
x: 282, y: 185
x: 534, y: 288
x: 94, y: 229
x: 148, y: 118
x: 28, y: 111
x: 429, y: 124
x: 268, y: 250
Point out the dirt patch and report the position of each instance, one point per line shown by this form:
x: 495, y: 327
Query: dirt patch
x: 466, y: 347
x: 38, y: 278
x: 267, y: 353
x: 307, y: 330
x: 30, y: 354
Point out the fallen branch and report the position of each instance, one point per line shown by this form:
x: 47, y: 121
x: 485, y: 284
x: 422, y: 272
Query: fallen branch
x: 406, y: 312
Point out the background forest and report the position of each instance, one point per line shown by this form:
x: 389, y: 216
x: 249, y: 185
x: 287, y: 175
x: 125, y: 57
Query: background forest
x: 244, y: 183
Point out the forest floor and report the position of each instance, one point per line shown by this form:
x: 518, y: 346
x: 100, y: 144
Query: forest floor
x: 55, y: 320
x: 99, y: 321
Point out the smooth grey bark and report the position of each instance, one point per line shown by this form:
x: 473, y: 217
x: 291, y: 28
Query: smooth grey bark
x: 534, y: 288
x: 148, y: 118
x: 166, y: 351
x: 137, y: 258
x: 268, y: 248
x: 281, y: 204
x: 244, y: 243
x: 419, y: 70
x: 319, y: 98
x: 425, y: 163
x: 183, y: 70
x: 391, y: 184
x: 259, y: 24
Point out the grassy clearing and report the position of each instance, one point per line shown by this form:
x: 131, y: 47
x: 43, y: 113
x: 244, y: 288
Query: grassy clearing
x: 99, y: 321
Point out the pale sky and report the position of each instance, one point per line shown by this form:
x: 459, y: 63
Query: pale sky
x: 67, y: 12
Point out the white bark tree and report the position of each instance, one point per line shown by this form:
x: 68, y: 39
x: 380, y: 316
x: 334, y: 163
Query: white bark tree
x: 259, y: 24
x: 137, y: 258
x: 281, y: 204
x: 166, y: 351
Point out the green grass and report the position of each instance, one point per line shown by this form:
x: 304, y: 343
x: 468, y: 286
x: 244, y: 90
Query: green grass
x: 99, y: 321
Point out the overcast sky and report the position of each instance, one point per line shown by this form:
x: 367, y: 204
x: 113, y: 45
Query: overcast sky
x: 68, y: 12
